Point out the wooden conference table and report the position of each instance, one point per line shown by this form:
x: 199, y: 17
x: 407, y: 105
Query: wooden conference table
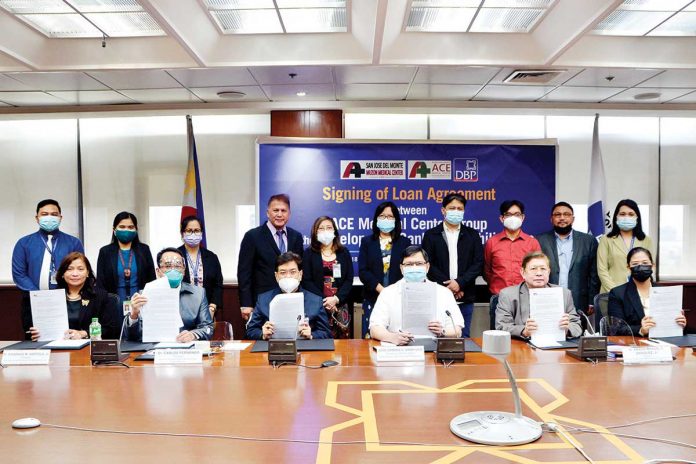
x: 306, y: 415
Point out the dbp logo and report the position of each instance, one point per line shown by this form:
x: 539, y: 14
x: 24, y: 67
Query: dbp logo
x: 466, y: 170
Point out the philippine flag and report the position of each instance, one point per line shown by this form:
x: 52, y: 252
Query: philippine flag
x: 598, y: 214
x: 192, y: 205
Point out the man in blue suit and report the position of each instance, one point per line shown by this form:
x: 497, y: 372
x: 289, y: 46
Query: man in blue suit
x: 573, y: 257
x: 259, y: 250
x: 288, y: 275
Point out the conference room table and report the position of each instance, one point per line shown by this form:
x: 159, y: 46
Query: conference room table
x: 235, y: 407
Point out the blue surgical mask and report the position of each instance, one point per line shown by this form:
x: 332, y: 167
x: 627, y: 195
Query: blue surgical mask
x: 415, y: 273
x: 175, y: 277
x: 627, y: 223
x: 386, y: 225
x: 49, y: 223
x: 125, y: 235
x: 454, y: 217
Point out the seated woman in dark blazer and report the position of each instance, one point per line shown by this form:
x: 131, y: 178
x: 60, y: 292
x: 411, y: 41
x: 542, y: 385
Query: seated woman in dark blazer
x: 125, y: 265
x: 379, y: 260
x: 631, y: 301
x: 202, y: 265
x: 328, y: 272
x: 85, y: 301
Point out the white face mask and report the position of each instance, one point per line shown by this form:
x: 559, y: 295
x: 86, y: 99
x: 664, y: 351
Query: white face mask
x: 288, y: 284
x: 325, y: 237
x: 512, y: 223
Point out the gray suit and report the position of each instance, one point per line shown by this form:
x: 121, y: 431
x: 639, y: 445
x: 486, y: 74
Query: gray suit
x: 583, y: 281
x: 513, y: 310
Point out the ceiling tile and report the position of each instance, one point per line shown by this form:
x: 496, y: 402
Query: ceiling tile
x: 683, y: 78
x: 30, y: 99
x: 681, y: 24
x: 666, y: 95
x: 621, y: 77
x: 374, y: 74
x: 273, y: 75
x: 558, y: 80
x: 688, y: 98
x: 58, y: 81
x: 289, y: 92
x: 513, y: 92
x: 136, y: 79
x: 8, y: 83
x: 92, y: 97
x: 209, y: 94
x: 442, y: 92
x: 454, y: 74
x: 581, y: 94
x: 371, y: 91
x: 215, y: 77
x: 161, y: 96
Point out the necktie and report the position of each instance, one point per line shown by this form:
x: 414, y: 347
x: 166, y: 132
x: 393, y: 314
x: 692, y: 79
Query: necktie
x: 45, y: 276
x: 281, y: 242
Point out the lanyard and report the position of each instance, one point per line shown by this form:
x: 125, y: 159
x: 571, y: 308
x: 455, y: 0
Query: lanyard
x: 194, y: 269
x: 633, y: 239
x: 126, y: 270
x: 50, y: 251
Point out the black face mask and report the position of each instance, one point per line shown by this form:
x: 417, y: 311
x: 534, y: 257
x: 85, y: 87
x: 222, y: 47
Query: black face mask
x: 641, y: 272
x: 563, y: 230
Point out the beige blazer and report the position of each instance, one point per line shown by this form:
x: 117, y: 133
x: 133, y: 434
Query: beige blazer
x: 611, y: 260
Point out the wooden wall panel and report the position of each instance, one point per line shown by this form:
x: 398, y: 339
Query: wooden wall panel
x: 307, y: 123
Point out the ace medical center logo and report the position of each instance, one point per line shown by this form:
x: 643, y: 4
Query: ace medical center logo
x: 458, y: 169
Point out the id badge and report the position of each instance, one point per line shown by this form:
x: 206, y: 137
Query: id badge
x: 54, y: 281
x: 336, y: 271
x: 126, y: 307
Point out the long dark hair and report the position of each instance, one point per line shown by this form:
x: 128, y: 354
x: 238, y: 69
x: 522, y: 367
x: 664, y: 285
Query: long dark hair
x: 397, y: 219
x: 637, y: 230
x: 87, y: 289
x: 120, y: 217
x: 635, y: 250
x: 316, y: 244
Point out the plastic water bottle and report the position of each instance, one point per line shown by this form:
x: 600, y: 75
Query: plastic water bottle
x: 95, y: 329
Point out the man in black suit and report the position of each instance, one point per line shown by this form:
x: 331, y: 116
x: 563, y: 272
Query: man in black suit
x: 456, y: 255
x: 259, y: 250
x: 573, y: 257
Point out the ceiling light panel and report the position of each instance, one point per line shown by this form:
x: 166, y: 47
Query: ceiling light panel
x: 447, y: 3
x: 681, y: 24
x: 35, y: 6
x: 439, y: 19
x: 105, y: 6
x: 311, y: 3
x: 653, y: 5
x: 248, y: 21
x: 630, y: 23
x: 238, y: 4
x: 506, y: 19
x: 136, y: 24
x: 517, y: 3
x: 62, y: 25
x: 315, y: 19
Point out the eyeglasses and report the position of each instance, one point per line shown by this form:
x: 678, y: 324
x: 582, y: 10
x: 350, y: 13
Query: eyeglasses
x: 507, y: 215
x: 175, y: 264
x: 414, y: 264
x: 384, y: 217
x: 290, y: 273
x: 192, y: 231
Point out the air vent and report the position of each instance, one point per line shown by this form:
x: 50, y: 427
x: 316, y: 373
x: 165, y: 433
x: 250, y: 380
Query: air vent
x: 533, y: 76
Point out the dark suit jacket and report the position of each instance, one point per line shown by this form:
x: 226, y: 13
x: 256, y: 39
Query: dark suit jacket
x: 313, y: 274
x: 313, y: 309
x: 212, y: 275
x: 257, y: 258
x: 107, y: 266
x: 624, y: 302
x: 583, y: 281
x: 469, y: 258
x: 370, y: 267
x: 101, y: 306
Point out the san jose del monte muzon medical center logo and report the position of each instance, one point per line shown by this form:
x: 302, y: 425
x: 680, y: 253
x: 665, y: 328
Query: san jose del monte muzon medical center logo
x: 458, y: 169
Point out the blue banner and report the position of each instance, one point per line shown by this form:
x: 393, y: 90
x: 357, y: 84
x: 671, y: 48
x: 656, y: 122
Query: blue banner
x: 348, y: 180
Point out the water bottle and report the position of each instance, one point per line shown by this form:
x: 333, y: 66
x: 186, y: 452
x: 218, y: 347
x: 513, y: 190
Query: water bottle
x: 95, y: 329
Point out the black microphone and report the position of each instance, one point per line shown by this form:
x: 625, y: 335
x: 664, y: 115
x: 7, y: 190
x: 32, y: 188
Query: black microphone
x: 123, y: 326
x: 454, y: 326
x: 297, y: 327
x: 589, y: 324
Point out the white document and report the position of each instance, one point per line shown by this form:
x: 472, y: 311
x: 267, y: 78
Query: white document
x: 66, y: 344
x: 235, y: 346
x: 49, y: 312
x: 546, y: 308
x: 665, y: 306
x: 161, y: 318
x: 173, y: 345
x: 418, y: 300
x: 286, y: 313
